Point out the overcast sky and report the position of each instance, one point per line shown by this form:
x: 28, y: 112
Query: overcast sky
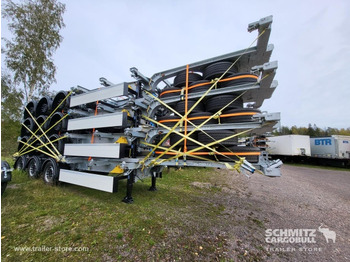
x: 311, y: 39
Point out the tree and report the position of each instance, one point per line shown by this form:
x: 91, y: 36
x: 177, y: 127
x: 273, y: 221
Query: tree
x: 11, y: 99
x: 11, y: 114
x: 35, y: 25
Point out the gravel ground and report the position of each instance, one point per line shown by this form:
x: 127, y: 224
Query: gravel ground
x: 303, y: 198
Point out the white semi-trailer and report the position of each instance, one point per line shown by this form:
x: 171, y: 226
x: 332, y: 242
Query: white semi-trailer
x: 333, y: 150
x: 289, y: 145
x: 334, y: 147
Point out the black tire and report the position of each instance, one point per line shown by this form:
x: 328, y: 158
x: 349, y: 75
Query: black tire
x: 3, y: 187
x: 215, y: 103
x: 203, y: 150
x: 21, y: 163
x: 205, y: 85
x: 40, y: 120
x: 224, y: 118
x: 192, y: 118
x: 217, y: 69
x: 31, y: 106
x: 61, y: 126
x: 170, y: 92
x: 50, y: 172
x: 180, y: 106
x: 5, y: 165
x: 44, y: 106
x: 28, y: 122
x: 59, y: 145
x: 250, y: 78
x: 165, y: 156
x: 180, y: 79
x: 20, y: 145
x: 240, y: 150
x: 175, y: 137
x: 34, y: 167
x: 59, y: 97
x: 218, y: 135
x: 168, y: 120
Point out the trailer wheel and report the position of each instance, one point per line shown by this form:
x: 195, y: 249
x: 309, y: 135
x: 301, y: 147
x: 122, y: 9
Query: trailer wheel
x: 169, y: 92
x: 59, y: 144
x: 4, y: 165
x: 217, y: 69
x: 62, y: 124
x: 21, y: 145
x: 50, y: 173
x: 215, y: 103
x: 205, y: 85
x: 175, y: 137
x: 250, y: 78
x: 31, y: 106
x: 3, y: 187
x: 169, y: 121
x: 60, y: 96
x: 180, y: 79
x: 239, y: 115
x: 34, y: 167
x: 204, y: 152
x: 29, y: 123
x: 217, y: 135
x: 199, y: 118
x: 40, y: 120
x: 44, y: 106
x: 180, y: 106
x: 251, y: 154
x: 21, y: 163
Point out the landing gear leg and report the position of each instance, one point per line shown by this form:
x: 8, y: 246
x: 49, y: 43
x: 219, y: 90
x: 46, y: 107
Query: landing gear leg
x: 154, y: 179
x: 130, y: 183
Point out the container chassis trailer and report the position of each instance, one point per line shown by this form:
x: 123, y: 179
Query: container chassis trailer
x: 188, y: 116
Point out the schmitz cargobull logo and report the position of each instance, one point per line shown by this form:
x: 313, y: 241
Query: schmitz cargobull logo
x: 298, y: 235
x: 290, y: 235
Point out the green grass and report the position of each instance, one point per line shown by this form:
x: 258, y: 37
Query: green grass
x: 162, y: 225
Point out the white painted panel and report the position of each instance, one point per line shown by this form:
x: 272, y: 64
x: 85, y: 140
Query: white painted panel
x: 98, y: 94
x: 108, y: 150
x: 99, y: 182
x: 99, y: 121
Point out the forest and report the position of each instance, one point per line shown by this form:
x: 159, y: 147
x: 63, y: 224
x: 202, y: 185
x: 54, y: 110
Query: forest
x: 312, y: 131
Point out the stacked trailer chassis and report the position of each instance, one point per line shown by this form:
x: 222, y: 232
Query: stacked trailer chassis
x: 112, y: 130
